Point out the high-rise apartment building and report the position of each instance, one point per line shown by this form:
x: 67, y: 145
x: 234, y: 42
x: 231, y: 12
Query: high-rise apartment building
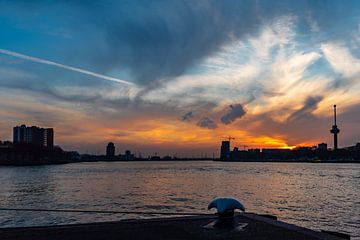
x: 110, y: 150
x: 33, y: 135
x: 225, y: 150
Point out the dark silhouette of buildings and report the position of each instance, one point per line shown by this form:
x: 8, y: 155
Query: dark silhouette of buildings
x: 318, y: 153
x: 335, y: 130
x: 32, y: 146
x: 322, y: 147
x: 128, y: 156
x: 225, y: 150
x: 33, y: 135
x: 314, y: 153
x: 20, y: 154
x: 110, y: 150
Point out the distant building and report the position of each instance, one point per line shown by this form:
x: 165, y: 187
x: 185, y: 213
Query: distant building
x: 275, y: 153
x: 49, y: 137
x: 74, y: 155
x: 235, y: 154
x: 110, y: 150
x: 322, y: 147
x: 356, y: 147
x: 225, y: 150
x: 275, y: 150
x: 155, y: 158
x: 128, y: 156
x: 34, y: 135
x: 255, y: 150
x: 305, y: 148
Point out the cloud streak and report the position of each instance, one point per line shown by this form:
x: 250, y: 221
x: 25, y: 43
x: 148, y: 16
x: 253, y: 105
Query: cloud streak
x: 74, y: 69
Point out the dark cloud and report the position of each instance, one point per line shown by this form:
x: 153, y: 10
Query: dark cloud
x: 187, y: 117
x: 206, y: 122
x: 157, y: 40
x: 236, y: 111
x: 309, y: 106
x: 152, y: 41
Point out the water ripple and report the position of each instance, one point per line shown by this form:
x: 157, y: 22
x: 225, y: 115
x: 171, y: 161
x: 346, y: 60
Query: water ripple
x: 317, y: 196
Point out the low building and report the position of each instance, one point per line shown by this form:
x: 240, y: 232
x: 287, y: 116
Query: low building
x: 128, y: 156
x: 275, y: 153
x: 322, y: 147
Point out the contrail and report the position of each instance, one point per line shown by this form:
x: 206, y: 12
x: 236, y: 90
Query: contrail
x: 75, y: 69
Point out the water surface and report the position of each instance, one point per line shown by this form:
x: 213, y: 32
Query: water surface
x: 317, y: 196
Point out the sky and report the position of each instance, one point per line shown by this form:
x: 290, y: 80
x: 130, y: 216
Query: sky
x: 178, y: 77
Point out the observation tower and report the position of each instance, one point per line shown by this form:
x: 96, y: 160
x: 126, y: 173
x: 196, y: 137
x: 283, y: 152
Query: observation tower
x: 335, y: 130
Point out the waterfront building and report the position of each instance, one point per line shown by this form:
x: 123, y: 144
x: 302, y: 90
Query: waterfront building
x: 322, y: 147
x: 110, y: 150
x: 225, y: 150
x: 355, y: 147
x: 155, y: 158
x: 235, y: 154
x: 128, y: 156
x: 275, y: 153
x: 49, y: 137
x: 34, y: 135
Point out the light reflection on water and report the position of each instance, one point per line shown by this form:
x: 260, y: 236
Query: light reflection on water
x: 318, y: 196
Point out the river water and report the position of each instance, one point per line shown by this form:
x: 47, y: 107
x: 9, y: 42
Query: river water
x: 317, y: 196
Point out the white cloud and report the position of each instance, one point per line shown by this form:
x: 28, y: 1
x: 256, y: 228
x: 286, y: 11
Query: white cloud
x: 341, y: 59
x: 313, y: 24
x: 279, y: 33
x: 234, y: 74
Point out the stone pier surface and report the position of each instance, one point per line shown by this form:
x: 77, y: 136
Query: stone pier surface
x: 242, y: 226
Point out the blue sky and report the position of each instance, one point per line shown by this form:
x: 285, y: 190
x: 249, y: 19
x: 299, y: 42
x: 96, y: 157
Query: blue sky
x: 261, y: 70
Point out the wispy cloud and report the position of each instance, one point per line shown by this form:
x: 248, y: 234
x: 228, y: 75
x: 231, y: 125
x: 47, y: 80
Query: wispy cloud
x: 341, y: 59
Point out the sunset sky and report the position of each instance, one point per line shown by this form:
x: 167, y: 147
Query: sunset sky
x: 177, y: 77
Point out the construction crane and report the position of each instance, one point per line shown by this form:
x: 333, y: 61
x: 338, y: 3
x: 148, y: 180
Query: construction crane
x: 229, y: 138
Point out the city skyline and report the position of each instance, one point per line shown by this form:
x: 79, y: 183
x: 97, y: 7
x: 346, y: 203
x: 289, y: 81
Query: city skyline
x: 180, y: 77
x: 38, y: 136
